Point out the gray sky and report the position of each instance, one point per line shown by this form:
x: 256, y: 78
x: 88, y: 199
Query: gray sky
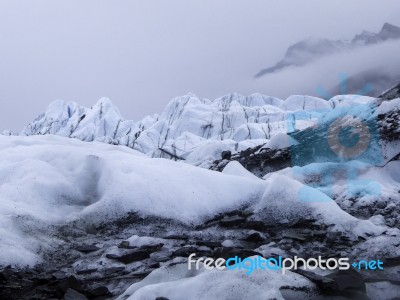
x: 143, y: 53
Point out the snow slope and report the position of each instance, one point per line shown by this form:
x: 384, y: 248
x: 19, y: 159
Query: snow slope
x: 48, y: 181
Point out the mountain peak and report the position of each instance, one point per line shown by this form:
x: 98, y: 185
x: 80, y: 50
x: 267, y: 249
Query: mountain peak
x: 389, y: 31
x: 388, y: 26
x: 310, y: 49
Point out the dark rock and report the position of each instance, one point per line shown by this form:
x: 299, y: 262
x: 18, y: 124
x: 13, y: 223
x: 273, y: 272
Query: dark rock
x: 71, y: 294
x: 113, y: 270
x: 231, y: 221
x: 333, y: 236
x: 231, y: 213
x: 112, y: 256
x: 130, y: 257
x: 348, y: 279
x: 296, y: 236
x: 286, y: 247
x: 155, y: 265
x: 208, y: 244
x: 69, y: 283
x: 161, y: 298
x: 254, y: 238
x: 140, y: 254
x: 228, y: 252
x: 99, y: 291
x: 124, y: 245
x: 258, y: 162
x: 391, y: 94
x: 319, y: 233
x: 255, y: 225
x: 374, y: 277
x: 59, y: 275
x: 44, y: 278
x: 6, y: 273
x: 296, y: 293
x: 304, y: 222
x: 176, y: 237
x: 184, y: 251
x: 140, y: 274
x: 87, y: 271
x: 391, y: 261
x: 245, y: 214
x: 347, y: 283
x: 211, y: 222
x: 91, y: 229
x: 87, y: 248
x: 226, y: 155
x: 152, y: 248
x: 160, y: 258
x: 323, y: 282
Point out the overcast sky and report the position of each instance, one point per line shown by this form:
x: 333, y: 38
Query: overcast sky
x: 141, y: 54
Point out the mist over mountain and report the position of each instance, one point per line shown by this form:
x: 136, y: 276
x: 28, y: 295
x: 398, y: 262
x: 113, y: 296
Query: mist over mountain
x: 311, y: 49
x: 369, y: 83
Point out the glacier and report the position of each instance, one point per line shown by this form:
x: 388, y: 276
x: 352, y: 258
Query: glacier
x: 190, y: 128
x: 54, y: 187
x: 116, y: 204
x: 48, y: 180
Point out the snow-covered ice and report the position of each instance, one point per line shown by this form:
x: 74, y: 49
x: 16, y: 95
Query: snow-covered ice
x: 191, y: 128
x: 175, y: 282
x: 48, y: 180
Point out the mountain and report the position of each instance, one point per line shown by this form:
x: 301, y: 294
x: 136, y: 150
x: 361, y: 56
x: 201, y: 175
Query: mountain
x: 387, y: 32
x: 311, y: 49
x: 369, y: 83
x: 305, y: 52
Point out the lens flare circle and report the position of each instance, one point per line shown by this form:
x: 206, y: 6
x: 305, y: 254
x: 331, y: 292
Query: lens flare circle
x: 358, y: 127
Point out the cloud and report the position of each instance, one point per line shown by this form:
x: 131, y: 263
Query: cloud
x: 143, y: 53
x: 326, y: 72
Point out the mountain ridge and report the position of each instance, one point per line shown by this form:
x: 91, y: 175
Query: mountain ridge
x: 311, y: 49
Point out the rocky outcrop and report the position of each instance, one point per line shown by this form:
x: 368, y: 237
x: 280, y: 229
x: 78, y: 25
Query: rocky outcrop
x: 391, y: 94
x: 69, y: 272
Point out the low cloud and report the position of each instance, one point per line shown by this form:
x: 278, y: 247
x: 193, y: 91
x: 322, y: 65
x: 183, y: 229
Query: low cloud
x: 326, y: 72
x: 141, y: 54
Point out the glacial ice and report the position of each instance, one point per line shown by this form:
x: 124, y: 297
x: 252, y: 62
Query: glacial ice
x: 175, y: 282
x: 191, y: 128
x: 49, y: 180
